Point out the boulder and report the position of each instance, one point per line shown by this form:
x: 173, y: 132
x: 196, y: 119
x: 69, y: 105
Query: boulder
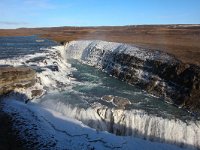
x: 119, y: 102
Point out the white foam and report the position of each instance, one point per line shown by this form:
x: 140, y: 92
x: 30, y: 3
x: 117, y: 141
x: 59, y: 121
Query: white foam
x: 46, y: 79
x: 134, y: 122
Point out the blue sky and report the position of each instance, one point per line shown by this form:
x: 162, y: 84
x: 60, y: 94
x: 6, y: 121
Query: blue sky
x: 47, y: 13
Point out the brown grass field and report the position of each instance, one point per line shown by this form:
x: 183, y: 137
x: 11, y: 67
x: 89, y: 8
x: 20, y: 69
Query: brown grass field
x: 182, y: 41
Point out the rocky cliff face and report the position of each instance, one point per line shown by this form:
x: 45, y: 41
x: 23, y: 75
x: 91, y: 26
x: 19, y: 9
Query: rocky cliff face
x: 12, y: 78
x: 156, y: 72
x: 183, y: 79
x: 174, y: 81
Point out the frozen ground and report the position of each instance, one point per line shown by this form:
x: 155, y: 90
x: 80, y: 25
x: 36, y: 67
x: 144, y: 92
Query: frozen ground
x: 42, y: 128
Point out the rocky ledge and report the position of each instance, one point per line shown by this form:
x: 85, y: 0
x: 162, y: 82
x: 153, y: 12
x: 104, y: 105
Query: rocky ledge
x: 13, y: 78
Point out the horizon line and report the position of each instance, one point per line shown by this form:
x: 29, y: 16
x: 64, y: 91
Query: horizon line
x: 96, y: 26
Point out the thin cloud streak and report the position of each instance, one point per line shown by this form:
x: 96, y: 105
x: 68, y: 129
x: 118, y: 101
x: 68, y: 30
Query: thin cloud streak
x: 12, y: 23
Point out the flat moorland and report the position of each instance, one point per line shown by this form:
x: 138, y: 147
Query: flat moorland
x: 182, y: 41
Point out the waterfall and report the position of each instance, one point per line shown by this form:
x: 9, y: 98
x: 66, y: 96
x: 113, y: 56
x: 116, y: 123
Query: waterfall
x: 127, y: 122
x: 135, y: 123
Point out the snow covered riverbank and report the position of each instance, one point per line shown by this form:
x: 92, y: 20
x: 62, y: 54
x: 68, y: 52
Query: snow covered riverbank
x: 42, y: 128
x: 52, y: 121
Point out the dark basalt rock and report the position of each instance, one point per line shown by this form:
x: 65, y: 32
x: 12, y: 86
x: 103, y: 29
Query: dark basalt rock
x: 12, y: 78
x: 184, y: 79
x: 121, y: 102
x: 173, y: 80
x: 37, y: 59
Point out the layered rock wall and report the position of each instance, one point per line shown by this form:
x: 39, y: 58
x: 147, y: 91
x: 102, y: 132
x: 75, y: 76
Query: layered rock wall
x: 156, y: 72
x: 12, y: 78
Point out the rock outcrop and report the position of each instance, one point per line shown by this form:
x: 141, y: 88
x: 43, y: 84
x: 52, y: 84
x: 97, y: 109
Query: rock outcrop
x: 174, y: 81
x: 158, y: 73
x: 12, y: 78
x: 119, y: 102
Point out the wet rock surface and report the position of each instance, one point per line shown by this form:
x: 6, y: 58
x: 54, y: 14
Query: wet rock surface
x: 36, y: 93
x: 119, y: 102
x: 12, y: 78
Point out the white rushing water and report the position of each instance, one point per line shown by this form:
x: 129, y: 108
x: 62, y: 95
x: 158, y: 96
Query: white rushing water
x: 134, y: 122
